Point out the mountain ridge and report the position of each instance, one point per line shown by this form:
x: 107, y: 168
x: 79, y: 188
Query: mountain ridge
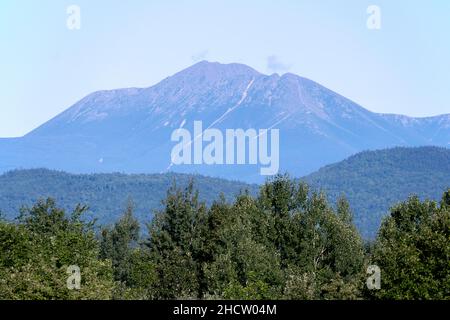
x: 129, y: 129
x: 373, y: 181
x: 106, y: 194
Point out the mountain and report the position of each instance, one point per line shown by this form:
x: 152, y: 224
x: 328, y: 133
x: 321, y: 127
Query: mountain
x: 129, y: 130
x: 107, y: 195
x: 373, y: 181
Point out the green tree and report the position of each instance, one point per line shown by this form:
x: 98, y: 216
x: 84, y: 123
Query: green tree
x: 173, y: 242
x: 243, y: 265
x: 118, y: 243
x: 412, y: 250
x: 36, y: 253
x: 133, y: 268
x: 280, y: 198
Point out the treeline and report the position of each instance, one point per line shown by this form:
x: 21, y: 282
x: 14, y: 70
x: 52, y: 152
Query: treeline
x: 286, y: 243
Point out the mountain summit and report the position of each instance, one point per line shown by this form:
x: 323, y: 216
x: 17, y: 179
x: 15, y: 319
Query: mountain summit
x: 129, y: 130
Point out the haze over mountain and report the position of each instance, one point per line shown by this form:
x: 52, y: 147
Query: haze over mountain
x: 129, y: 130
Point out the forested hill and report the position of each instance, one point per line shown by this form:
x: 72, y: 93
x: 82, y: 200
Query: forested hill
x: 106, y: 195
x: 372, y: 181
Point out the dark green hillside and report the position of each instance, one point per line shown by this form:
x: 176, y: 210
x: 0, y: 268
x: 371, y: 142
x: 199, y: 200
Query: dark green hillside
x: 373, y: 181
x: 106, y: 194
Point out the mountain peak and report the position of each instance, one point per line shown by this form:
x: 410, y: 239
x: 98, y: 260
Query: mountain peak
x: 129, y: 130
x: 216, y: 70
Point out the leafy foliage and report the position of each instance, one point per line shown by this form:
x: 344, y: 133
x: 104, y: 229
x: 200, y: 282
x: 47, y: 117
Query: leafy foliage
x: 248, y: 249
x: 413, y: 251
x: 36, y: 253
x: 286, y: 243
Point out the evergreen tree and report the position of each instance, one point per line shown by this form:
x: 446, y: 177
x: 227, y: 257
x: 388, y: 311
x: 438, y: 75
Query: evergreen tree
x: 118, y: 243
x: 173, y: 242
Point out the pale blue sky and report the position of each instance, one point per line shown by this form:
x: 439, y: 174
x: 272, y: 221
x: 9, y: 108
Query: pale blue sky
x: 45, y: 68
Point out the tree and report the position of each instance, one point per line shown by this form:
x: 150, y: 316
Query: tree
x: 280, y: 197
x: 118, y: 243
x: 412, y: 250
x: 173, y: 241
x: 133, y: 268
x: 243, y: 265
x: 321, y: 251
x: 37, y: 252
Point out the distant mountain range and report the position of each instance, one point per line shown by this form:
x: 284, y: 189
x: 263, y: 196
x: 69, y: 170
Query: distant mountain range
x: 129, y: 130
x: 372, y: 181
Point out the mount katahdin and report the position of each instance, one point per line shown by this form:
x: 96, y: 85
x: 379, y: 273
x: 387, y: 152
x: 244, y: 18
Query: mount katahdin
x: 129, y: 130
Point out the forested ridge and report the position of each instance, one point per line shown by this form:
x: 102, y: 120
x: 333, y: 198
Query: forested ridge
x: 287, y: 242
x: 107, y: 194
x: 372, y: 182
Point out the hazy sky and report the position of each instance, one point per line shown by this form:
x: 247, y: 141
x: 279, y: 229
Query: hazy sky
x: 44, y: 67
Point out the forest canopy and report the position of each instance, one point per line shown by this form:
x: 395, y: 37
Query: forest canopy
x: 287, y: 242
